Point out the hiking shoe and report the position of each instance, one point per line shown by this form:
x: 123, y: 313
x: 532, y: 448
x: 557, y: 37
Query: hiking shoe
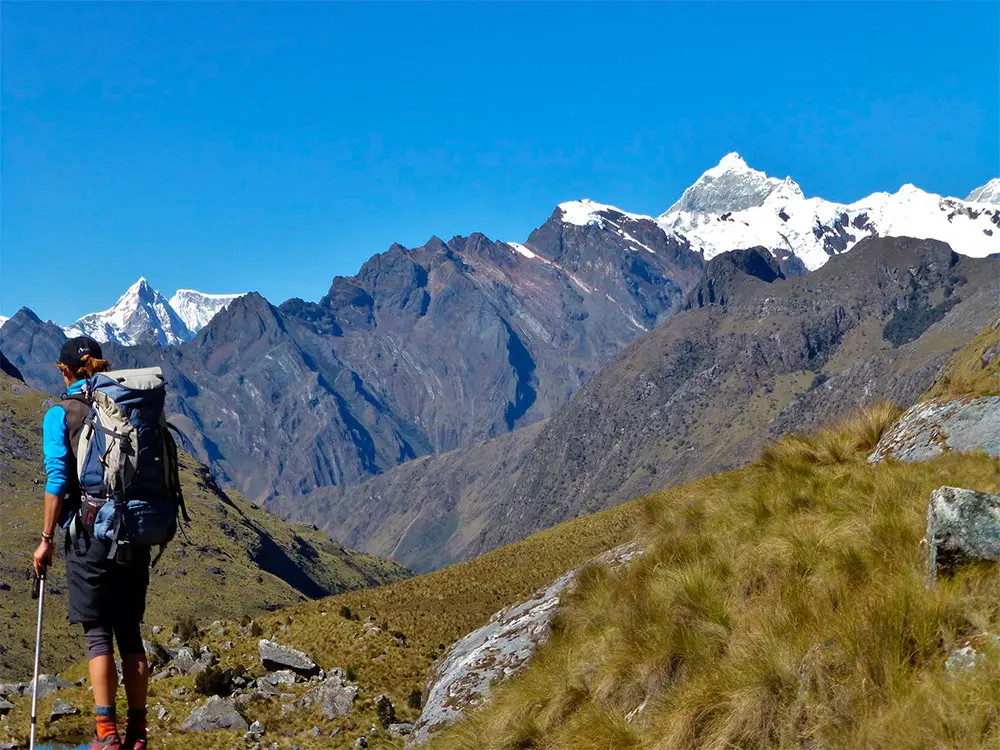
x: 113, y: 742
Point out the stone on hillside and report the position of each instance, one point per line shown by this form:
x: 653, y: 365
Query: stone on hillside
x: 335, y: 699
x: 60, y: 709
x: 157, y: 629
x: 360, y: 742
x: 400, y: 730
x: 929, y: 429
x: 12, y: 690
x: 5, y: 706
x: 50, y: 683
x: 969, y: 656
x: 188, y: 663
x: 255, y: 732
x: 275, y: 656
x: 962, y: 525
x: 215, y: 713
x: 495, y: 652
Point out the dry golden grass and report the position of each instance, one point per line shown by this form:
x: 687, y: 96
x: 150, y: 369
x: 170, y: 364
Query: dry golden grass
x: 966, y: 375
x: 778, y: 606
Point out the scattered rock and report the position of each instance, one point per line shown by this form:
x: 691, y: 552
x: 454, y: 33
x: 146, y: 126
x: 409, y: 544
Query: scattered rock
x: 929, y: 429
x: 255, y: 732
x: 335, y: 699
x: 496, y: 652
x: 161, y: 713
x: 360, y: 742
x: 989, y: 355
x: 157, y: 629
x: 48, y: 684
x: 60, y: 709
x: 215, y: 713
x: 969, y: 656
x: 188, y: 663
x: 400, y: 730
x: 962, y: 525
x: 5, y: 706
x: 275, y: 656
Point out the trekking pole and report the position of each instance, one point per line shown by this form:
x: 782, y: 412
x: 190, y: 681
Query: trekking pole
x: 37, y: 592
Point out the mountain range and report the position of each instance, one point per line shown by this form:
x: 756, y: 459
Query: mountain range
x: 443, y: 400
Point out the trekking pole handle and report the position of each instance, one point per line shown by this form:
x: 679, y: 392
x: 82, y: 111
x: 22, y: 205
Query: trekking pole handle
x: 36, y: 584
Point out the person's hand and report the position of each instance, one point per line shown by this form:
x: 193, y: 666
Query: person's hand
x: 43, y: 557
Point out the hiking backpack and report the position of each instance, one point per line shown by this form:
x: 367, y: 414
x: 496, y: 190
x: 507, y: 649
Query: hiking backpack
x: 127, y: 458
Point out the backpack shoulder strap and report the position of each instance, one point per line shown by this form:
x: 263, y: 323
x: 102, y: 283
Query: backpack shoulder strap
x: 77, y: 408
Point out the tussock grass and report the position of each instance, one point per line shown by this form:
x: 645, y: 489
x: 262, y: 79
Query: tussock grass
x: 778, y: 606
x: 965, y: 375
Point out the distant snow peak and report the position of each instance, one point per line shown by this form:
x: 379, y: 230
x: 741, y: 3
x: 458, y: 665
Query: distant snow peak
x: 3, y: 320
x: 731, y: 185
x: 141, y: 315
x: 988, y: 193
x: 781, y: 218
x: 196, y: 309
x: 587, y: 212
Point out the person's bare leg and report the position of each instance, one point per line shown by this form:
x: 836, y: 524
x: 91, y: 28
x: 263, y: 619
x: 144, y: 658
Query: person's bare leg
x: 104, y: 679
x: 135, y: 675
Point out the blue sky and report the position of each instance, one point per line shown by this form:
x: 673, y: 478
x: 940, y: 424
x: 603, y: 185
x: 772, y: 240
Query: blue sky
x: 270, y: 146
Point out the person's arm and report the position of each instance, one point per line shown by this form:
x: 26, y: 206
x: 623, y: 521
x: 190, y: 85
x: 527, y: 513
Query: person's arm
x: 58, y: 463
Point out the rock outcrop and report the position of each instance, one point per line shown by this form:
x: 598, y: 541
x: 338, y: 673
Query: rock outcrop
x: 929, y: 429
x: 495, y: 652
x: 962, y: 525
x: 215, y: 713
x: 275, y: 656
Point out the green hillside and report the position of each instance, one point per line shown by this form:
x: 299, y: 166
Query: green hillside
x: 234, y: 560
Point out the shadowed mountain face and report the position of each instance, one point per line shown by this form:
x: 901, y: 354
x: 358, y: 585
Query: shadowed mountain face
x: 700, y: 393
x: 424, y: 350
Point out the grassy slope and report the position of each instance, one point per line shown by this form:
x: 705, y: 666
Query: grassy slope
x: 782, y: 605
x: 261, y: 562
x: 965, y: 375
x: 430, y: 611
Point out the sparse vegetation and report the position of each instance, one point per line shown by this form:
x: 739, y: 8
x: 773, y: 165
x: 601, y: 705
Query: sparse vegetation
x: 782, y: 605
x: 975, y: 370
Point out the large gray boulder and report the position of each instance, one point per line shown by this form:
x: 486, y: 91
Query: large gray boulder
x: 495, y: 652
x: 929, y: 429
x: 215, y: 713
x: 275, y: 656
x: 962, y: 525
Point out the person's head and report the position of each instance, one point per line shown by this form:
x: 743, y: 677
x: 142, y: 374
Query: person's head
x: 80, y: 359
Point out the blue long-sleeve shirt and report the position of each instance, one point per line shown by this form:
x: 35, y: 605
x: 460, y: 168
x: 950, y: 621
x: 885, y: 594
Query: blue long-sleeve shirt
x: 59, y: 464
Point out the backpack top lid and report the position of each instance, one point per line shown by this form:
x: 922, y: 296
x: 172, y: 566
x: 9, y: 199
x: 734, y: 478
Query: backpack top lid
x: 135, y: 380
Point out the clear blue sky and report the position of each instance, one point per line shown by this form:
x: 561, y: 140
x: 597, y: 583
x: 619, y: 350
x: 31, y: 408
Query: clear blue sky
x: 270, y: 146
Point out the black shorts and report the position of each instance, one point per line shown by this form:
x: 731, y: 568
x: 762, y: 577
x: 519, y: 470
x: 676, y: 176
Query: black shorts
x: 103, y: 590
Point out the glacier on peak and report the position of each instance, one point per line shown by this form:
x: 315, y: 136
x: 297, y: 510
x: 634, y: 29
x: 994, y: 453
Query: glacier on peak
x: 731, y: 185
x: 196, y: 309
x: 988, y: 193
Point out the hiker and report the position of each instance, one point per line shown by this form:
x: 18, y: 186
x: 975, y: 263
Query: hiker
x: 106, y: 595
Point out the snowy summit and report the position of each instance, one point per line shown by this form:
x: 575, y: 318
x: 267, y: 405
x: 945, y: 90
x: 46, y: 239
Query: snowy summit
x: 143, y: 315
x: 196, y: 309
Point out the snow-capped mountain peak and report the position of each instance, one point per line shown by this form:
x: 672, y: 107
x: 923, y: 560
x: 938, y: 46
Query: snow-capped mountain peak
x: 988, y: 193
x: 731, y: 185
x: 196, y: 309
x: 734, y: 207
x: 141, y: 315
x: 585, y: 212
x: 3, y: 320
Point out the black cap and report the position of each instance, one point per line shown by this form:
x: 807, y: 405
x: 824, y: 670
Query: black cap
x: 72, y: 351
